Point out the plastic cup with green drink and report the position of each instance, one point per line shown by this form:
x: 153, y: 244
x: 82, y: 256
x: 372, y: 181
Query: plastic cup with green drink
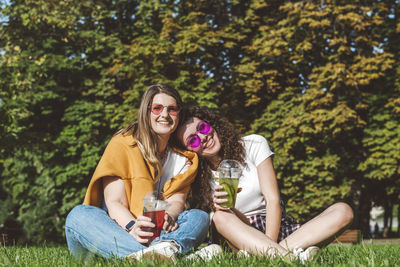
x: 227, y: 175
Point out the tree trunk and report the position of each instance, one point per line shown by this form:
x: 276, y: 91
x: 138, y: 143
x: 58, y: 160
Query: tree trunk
x: 398, y: 220
x: 386, y: 218
x: 362, y: 207
x: 386, y: 207
x: 364, y: 217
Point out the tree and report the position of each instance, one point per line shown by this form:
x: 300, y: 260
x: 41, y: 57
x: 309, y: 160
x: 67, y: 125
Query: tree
x: 382, y: 134
x: 321, y: 61
x: 46, y: 91
x: 317, y: 78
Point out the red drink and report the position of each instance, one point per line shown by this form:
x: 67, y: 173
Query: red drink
x: 157, y: 217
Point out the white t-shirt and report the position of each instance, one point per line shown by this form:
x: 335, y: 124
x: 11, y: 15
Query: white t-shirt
x: 174, y: 164
x: 250, y: 201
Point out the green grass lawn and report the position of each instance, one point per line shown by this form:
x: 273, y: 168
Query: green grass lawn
x: 335, y: 255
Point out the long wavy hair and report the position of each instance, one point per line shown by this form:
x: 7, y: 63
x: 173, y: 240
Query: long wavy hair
x: 232, y: 147
x: 145, y: 137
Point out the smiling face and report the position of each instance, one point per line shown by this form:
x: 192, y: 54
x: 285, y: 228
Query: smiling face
x: 165, y: 122
x: 210, y: 144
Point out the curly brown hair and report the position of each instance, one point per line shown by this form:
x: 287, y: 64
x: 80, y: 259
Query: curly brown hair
x: 232, y: 147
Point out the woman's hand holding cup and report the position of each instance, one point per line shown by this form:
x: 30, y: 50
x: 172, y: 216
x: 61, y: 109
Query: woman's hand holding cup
x: 141, y: 230
x: 219, y: 199
x: 219, y: 195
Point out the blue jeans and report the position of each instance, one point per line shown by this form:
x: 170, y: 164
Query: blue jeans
x: 89, y: 229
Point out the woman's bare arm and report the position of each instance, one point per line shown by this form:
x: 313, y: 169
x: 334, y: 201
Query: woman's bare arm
x: 269, y: 188
x: 117, y: 205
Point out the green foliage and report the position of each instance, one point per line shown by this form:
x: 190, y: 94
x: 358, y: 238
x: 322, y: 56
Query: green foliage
x: 331, y: 72
x: 57, y: 137
x: 318, y: 79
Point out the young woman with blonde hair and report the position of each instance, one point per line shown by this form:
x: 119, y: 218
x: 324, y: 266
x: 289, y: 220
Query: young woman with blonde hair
x: 139, y: 159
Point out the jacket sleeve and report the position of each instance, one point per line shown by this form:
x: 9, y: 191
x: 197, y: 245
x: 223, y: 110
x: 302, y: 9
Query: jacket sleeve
x: 114, y: 162
x: 181, y: 182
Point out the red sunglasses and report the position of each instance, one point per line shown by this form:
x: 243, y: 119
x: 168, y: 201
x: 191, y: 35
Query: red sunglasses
x: 156, y: 109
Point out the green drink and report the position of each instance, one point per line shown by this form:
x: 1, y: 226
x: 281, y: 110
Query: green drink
x: 227, y: 175
x: 230, y: 186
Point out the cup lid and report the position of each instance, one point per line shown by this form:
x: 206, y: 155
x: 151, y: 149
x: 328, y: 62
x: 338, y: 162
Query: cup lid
x: 154, y: 205
x: 231, y: 168
x: 229, y: 163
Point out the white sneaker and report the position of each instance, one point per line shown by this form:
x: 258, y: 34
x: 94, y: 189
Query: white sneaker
x: 243, y: 253
x: 163, y: 251
x: 206, y: 253
x: 305, y: 255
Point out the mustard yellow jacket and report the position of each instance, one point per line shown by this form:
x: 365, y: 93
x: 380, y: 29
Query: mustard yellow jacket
x: 122, y: 158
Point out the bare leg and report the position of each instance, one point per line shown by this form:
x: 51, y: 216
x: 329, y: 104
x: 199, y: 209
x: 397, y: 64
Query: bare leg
x: 320, y: 229
x: 244, y: 236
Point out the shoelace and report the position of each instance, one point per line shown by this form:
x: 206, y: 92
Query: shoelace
x: 298, y: 253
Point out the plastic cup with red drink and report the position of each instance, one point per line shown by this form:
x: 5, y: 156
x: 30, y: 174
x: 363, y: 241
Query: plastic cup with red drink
x: 155, y: 209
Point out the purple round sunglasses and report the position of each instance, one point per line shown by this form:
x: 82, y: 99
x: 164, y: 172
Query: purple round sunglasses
x: 194, y: 141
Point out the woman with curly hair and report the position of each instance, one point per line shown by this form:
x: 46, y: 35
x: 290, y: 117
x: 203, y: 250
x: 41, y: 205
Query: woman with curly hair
x: 258, y: 224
